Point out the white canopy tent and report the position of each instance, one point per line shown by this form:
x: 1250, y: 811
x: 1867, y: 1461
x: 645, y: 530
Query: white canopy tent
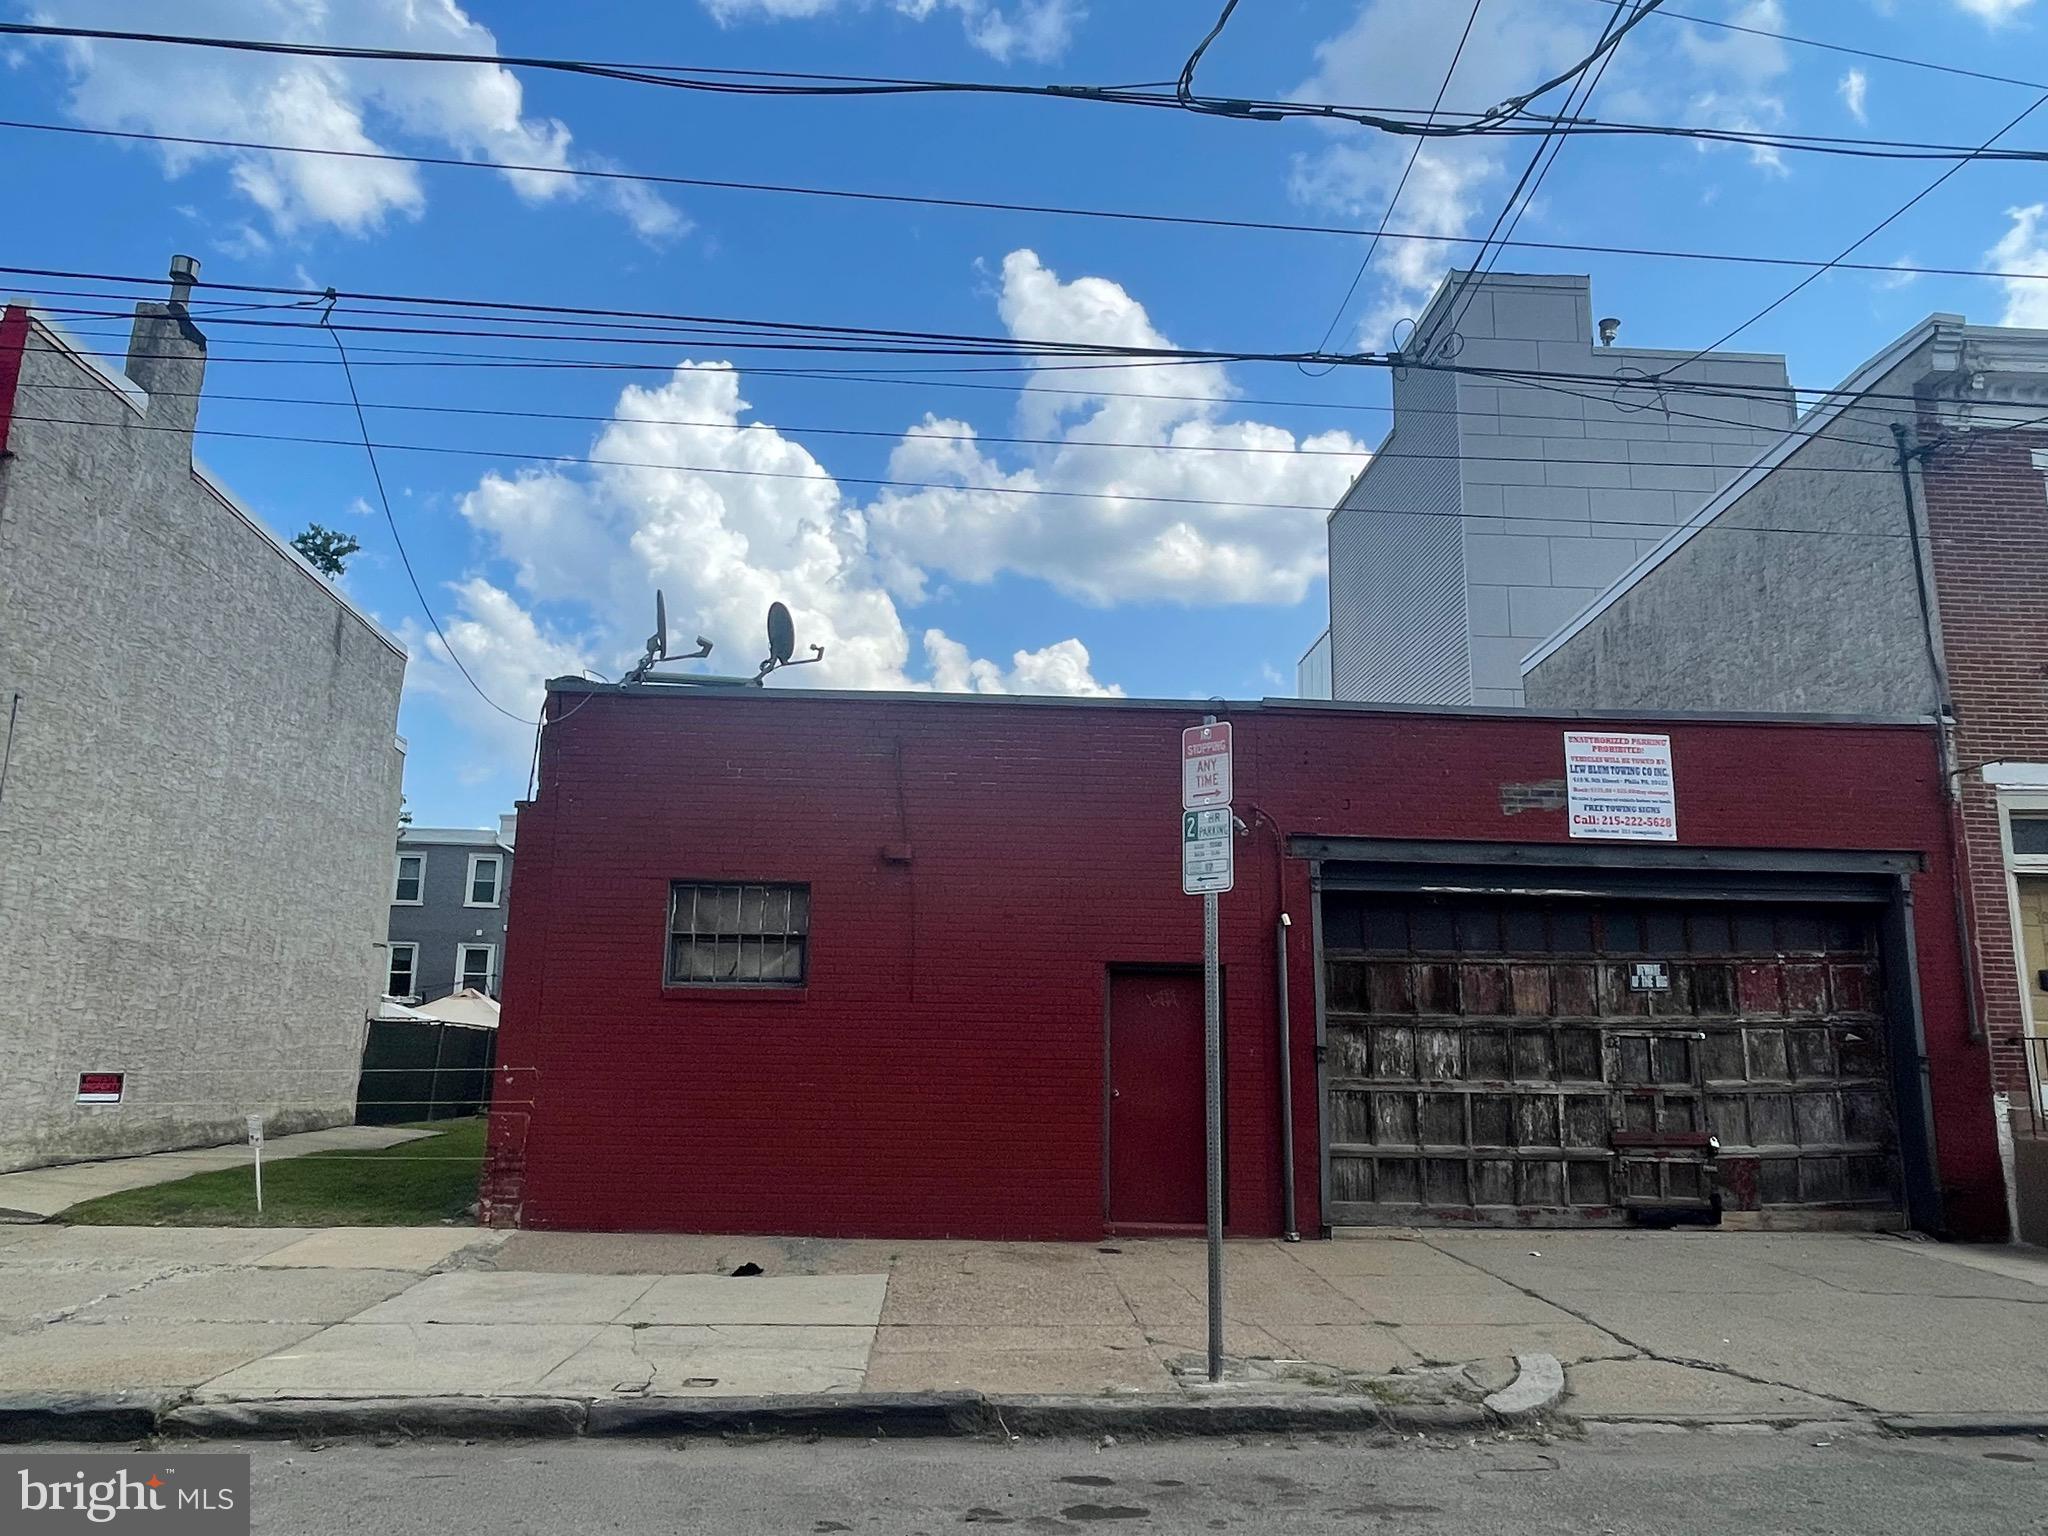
x: 468, y: 1007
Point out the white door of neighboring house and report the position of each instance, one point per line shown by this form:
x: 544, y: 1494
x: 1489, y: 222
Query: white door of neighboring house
x: 2026, y: 861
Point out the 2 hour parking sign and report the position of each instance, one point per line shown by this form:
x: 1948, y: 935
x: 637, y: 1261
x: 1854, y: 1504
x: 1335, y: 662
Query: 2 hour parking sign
x: 1205, y: 851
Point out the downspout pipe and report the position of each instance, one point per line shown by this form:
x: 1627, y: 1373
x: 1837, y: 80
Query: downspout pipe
x: 1289, y: 1225
x: 1944, y: 703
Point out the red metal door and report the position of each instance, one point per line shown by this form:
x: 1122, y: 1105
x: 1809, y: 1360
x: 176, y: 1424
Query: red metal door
x: 1156, y: 1166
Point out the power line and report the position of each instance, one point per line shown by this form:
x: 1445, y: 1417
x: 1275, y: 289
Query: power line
x: 896, y: 434
x: 1844, y: 48
x: 1875, y: 229
x: 1152, y: 358
x: 1184, y: 87
x: 1557, y: 381
x: 1414, y: 154
x: 1609, y: 37
x: 985, y: 205
x: 398, y: 541
x: 790, y: 83
x: 1644, y: 525
x: 1135, y: 357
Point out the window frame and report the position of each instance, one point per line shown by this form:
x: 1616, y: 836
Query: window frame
x: 490, y: 965
x: 398, y: 878
x: 413, y: 970
x: 788, y: 988
x: 2025, y: 804
x: 2022, y: 807
x: 497, y: 861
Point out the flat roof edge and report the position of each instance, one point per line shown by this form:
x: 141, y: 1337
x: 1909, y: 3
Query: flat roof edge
x: 1219, y: 705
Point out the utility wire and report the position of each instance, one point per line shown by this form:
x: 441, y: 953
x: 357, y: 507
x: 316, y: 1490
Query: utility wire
x: 1862, y: 239
x: 1505, y: 120
x: 1618, y: 385
x: 1178, y: 220
x: 398, y: 541
x: 1131, y: 357
x: 1450, y: 311
x: 1372, y: 247
x: 894, y: 434
x: 1844, y: 48
x: 1644, y: 526
x: 1184, y: 87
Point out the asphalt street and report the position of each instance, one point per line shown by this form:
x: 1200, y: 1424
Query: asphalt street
x: 1614, y: 1483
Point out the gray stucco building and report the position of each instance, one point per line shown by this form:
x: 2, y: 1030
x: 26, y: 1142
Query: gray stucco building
x: 1512, y: 490
x: 448, y: 910
x: 199, y: 773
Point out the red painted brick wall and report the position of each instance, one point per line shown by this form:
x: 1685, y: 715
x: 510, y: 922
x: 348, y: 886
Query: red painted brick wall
x: 1987, y: 522
x: 942, y: 1074
x: 13, y: 341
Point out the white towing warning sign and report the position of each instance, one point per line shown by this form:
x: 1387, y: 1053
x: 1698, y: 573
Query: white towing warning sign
x: 1620, y: 787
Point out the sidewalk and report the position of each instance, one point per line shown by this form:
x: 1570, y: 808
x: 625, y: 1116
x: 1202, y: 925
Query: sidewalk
x: 1690, y: 1326
x: 35, y: 1194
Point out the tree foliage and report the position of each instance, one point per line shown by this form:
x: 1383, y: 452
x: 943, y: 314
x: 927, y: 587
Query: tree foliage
x: 326, y: 550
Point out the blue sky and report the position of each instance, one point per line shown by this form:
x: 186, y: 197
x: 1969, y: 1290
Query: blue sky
x: 539, y: 567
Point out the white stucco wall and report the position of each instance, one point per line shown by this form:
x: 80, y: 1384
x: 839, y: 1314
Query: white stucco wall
x: 201, y: 788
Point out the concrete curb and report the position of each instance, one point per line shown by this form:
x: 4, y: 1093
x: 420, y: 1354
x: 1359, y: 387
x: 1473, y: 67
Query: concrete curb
x: 1931, y: 1424
x: 1175, y: 1418
x: 1537, y: 1388
x: 79, y: 1416
x: 894, y: 1415
x: 902, y: 1415
x: 413, y: 1418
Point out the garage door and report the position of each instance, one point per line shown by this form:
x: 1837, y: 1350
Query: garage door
x: 1563, y: 1061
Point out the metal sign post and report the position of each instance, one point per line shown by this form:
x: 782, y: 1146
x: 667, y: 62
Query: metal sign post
x: 256, y: 1146
x: 1207, y: 867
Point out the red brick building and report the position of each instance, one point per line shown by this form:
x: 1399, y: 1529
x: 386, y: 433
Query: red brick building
x: 1987, y: 520
x: 920, y: 966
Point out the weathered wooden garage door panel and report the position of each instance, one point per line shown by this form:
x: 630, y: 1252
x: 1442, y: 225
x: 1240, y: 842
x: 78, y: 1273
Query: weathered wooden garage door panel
x: 1478, y: 1052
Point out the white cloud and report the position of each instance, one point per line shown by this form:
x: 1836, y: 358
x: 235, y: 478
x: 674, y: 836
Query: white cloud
x: 1888, y: 282
x: 1027, y: 29
x: 761, y: 521
x: 1737, y: 78
x: 757, y: 518
x: 1854, y: 89
x: 1139, y: 522
x: 473, y: 110
x: 1061, y: 668
x: 1994, y: 12
x: 2024, y: 248
x: 1391, y: 48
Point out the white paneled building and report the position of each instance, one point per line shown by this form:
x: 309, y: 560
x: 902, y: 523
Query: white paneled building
x: 1529, y: 466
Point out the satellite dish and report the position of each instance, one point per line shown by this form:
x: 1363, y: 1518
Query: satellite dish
x: 781, y: 634
x: 657, y: 644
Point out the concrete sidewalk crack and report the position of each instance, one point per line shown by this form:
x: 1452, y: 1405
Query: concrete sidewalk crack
x: 1644, y: 1350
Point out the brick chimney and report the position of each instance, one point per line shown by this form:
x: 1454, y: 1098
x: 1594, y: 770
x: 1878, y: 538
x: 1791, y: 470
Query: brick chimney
x: 167, y: 355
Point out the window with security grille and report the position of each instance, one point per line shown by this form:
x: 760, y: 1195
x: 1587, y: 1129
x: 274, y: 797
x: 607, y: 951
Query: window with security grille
x: 738, y: 935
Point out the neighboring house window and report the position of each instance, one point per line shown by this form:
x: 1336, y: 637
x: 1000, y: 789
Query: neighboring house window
x: 474, y: 964
x: 483, y: 880
x: 2030, y: 839
x: 738, y: 935
x: 399, y: 979
x: 412, y: 878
